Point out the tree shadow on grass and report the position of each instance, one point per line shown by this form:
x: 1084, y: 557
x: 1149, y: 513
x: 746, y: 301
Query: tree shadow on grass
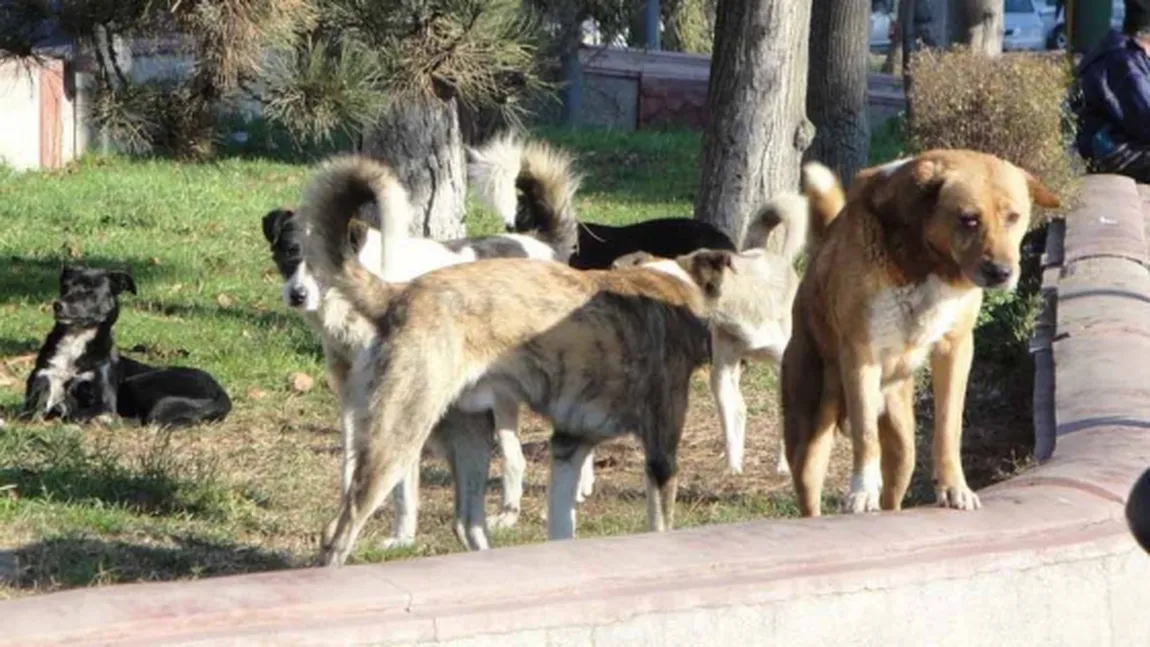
x: 25, y: 278
x: 79, y: 561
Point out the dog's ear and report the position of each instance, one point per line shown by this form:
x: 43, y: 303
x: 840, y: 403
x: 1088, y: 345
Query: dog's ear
x: 1039, y: 194
x: 67, y: 272
x: 900, y: 190
x: 121, y: 281
x: 273, y: 223
x: 707, y: 268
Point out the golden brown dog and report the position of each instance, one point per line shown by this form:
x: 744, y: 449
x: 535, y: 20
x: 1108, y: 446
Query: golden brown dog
x: 894, y: 279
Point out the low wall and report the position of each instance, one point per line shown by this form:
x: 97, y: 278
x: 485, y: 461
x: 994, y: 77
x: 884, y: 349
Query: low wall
x: 1048, y: 560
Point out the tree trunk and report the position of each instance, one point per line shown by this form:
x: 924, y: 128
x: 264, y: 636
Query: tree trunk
x: 837, y: 91
x: 979, y: 24
x: 421, y: 140
x: 757, y: 131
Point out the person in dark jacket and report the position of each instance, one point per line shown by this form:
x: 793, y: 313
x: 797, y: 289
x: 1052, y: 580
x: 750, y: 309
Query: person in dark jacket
x: 1114, y: 105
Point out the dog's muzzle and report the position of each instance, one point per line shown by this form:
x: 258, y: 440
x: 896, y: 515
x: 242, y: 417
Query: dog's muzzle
x: 297, y: 296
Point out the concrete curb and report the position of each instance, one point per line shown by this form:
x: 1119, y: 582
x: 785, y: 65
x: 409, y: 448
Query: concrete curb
x: 1048, y: 560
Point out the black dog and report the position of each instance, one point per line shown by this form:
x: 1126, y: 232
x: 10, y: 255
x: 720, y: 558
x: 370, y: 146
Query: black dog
x: 600, y: 245
x: 1138, y: 511
x: 79, y: 375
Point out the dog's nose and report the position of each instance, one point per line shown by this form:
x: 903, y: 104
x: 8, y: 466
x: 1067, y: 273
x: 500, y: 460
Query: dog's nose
x: 57, y: 307
x: 297, y: 296
x: 995, y: 273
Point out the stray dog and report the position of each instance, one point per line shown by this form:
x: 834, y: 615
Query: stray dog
x: 600, y: 353
x: 79, y: 375
x: 895, y: 278
x: 752, y: 317
x: 493, y: 169
x: 386, y: 250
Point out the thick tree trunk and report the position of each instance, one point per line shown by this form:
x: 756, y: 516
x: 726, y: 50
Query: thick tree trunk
x: 979, y: 24
x: 758, y: 130
x: 837, y: 90
x: 421, y: 140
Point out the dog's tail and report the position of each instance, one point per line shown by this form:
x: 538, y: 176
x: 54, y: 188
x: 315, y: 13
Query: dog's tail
x: 531, y: 185
x: 789, y: 210
x: 826, y: 197
x: 337, y: 192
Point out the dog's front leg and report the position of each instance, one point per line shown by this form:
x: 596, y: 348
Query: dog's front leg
x: 950, y: 368
x: 506, y: 414
x: 726, y: 370
x: 568, y: 453
x: 37, y: 396
x: 862, y: 388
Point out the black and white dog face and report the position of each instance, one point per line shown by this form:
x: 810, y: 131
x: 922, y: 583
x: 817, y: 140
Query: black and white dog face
x: 88, y: 296
x: 285, y: 235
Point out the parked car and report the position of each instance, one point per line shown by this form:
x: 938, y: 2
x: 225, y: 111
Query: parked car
x: 880, y: 22
x: 1056, y: 29
x: 1023, y: 28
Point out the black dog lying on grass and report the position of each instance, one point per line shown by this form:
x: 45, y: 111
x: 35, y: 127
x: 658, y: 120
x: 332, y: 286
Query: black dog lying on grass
x: 80, y: 376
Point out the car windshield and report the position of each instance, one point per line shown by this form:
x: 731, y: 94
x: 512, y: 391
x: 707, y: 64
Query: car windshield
x: 1019, y: 6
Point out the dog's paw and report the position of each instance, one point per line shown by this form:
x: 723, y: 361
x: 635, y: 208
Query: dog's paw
x: 397, y: 542
x: 507, y: 518
x: 861, y: 502
x: 864, y: 493
x: 959, y: 497
x: 782, y: 467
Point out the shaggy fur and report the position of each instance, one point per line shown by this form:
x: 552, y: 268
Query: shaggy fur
x: 896, y: 278
x: 600, y: 354
x: 384, y: 247
x: 495, y: 168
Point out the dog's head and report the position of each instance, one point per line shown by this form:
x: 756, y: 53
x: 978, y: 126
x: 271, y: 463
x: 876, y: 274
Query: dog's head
x: 707, y: 268
x: 88, y: 296
x: 970, y: 209
x: 285, y: 235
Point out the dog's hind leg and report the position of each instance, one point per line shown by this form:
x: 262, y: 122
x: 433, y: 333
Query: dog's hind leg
x: 726, y: 370
x: 661, y: 444
x: 405, y: 496
x: 586, y: 479
x: 467, y: 438
x: 568, y: 454
x: 811, y: 405
x: 896, y: 435
x: 506, y: 414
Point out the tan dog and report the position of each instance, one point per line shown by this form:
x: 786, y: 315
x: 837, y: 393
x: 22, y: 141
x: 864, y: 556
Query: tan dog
x: 893, y: 280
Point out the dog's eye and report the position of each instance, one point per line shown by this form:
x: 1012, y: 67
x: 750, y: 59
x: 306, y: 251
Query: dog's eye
x: 1013, y: 217
x: 968, y: 220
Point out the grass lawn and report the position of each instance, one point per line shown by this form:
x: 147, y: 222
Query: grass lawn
x: 94, y: 506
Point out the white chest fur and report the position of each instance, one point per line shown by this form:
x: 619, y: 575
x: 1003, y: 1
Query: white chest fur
x: 910, y: 319
x: 62, y: 365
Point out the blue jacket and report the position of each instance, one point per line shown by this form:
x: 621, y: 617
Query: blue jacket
x: 1114, y: 105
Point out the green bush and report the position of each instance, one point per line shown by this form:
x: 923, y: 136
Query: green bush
x: 1013, y: 106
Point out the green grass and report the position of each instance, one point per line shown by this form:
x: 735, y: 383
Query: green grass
x: 103, y: 505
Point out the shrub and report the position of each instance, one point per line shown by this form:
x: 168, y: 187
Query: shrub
x: 1013, y: 106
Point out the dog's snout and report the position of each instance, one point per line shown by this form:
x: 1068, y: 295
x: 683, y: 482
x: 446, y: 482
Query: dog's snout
x: 995, y: 273
x: 297, y: 295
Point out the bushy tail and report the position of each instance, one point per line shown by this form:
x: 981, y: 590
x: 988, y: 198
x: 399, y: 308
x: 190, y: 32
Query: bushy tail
x: 337, y: 192
x: 531, y: 185
x: 789, y: 210
x: 826, y: 197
